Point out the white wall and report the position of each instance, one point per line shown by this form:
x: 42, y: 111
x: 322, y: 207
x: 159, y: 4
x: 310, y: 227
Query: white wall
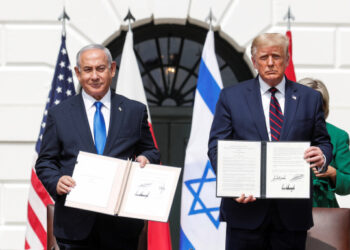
x: 29, y: 43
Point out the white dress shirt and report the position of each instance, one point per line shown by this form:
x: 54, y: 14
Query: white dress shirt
x: 266, y: 97
x: 280, y: 95
x: 91, y: 109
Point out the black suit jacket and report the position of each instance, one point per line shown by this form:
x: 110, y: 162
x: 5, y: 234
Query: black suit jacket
x: 67, y: 132
x: 239, y: 116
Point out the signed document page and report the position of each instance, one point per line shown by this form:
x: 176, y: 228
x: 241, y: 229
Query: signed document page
x: 99, y: 183
x: 238, y: 168
x: 150, y: 192
x: 287, y: 172
x: 114, y: 186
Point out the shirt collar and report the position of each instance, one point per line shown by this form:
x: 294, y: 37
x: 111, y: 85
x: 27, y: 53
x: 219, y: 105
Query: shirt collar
x: 89, y: 100
x: 265, y: 87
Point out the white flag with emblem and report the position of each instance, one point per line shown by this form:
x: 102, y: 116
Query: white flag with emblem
x: 200, y: 225
x: 130, y: 85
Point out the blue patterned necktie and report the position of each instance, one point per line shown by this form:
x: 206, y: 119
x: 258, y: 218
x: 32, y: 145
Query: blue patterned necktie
x: 99, y: 129
x: 276, y: 116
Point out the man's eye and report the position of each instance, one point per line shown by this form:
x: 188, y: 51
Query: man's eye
x: 87, y: 70
x: 101, y: 69
x: 263, y: 57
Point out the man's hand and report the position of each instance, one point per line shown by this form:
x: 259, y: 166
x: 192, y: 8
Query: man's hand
x: 142, y: 160
x: 65, y: 185
x: 314, y: 156
x: 244, y: 199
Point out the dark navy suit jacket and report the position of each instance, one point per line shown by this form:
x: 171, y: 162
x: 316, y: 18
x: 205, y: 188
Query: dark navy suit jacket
x: 67, y: 132
x: 239, y: 116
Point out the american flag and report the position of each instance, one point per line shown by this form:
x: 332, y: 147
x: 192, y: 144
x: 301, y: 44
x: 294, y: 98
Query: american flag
x: 62, y: 87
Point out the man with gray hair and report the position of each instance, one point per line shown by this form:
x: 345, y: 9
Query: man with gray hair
x: 97, y: 121
x: 270, y: 108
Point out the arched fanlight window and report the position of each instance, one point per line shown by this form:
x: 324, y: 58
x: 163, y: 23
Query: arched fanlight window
x: 169, y: 58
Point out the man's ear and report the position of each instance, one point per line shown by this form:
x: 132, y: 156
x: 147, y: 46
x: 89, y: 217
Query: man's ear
x: 77, y: 72
x: 288, y: 58
x: 113, y: 68
x: 253, y: 61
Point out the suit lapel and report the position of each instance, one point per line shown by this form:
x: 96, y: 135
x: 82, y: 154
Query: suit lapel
x: 116, y: 119
x: 79, y: 118
x: 256, y: 110
x: 291, y: 103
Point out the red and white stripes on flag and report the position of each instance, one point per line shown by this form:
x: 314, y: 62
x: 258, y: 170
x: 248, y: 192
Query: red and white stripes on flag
x: 62, y: 87
x: 129, y: 84
x: 290, y: 73
x: 36, y: 223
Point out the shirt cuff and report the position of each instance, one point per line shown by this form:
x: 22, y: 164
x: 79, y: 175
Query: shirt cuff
x: 324, y: 167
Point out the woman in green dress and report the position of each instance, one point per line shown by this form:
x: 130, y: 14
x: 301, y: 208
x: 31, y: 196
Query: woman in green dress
x: 337, y: 178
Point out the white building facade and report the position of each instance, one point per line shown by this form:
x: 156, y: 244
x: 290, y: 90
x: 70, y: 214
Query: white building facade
x: 30, y: 38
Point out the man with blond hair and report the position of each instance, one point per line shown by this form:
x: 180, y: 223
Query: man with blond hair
x: 270, y: 108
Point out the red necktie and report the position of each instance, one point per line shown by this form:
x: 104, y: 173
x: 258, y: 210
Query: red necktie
x: 276, y: 116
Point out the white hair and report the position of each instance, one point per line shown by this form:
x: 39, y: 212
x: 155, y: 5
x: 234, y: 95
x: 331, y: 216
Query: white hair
x: 94, y: 46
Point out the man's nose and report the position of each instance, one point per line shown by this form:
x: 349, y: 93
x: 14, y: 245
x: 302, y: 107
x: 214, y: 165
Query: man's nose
x: 270, y: 61
x: 94, y: 75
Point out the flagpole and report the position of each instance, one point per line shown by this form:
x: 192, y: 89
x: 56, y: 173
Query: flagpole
x: 128, y: 18
x: 210, y: 18
x: 63, y: 17
x: 290, y: 72
x: 289, y: 16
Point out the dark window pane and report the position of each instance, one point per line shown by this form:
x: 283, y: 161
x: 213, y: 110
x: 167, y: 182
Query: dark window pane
x: 181, y: 76
x: 221, y: 62
x: 190, y: 54
x: 150, y: 86
x: 157, y: 76
x: 170, y: 49
x: 148, y: 54
x: 228, y: 78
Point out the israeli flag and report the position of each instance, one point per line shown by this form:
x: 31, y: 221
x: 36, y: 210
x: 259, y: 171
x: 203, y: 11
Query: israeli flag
x: 200, y: 225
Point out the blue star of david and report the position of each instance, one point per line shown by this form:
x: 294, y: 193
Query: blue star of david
x: 196, y: 195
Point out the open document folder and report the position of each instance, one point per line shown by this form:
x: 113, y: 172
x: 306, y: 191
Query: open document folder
x: 114, y: 186
x: 263, y: 169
